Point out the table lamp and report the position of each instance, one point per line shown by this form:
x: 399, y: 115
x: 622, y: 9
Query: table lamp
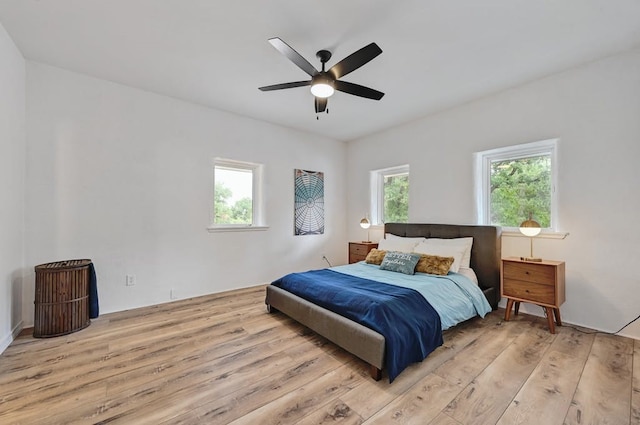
x: 530, y: 228
x: 365, y: 224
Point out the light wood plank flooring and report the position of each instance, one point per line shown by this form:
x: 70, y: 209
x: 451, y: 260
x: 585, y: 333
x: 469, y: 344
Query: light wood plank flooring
x: 223, y: 359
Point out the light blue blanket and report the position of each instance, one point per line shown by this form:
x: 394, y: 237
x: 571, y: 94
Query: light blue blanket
x: 453, y: 296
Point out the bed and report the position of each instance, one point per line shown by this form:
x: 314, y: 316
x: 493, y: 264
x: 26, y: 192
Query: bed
x: 366, y: 343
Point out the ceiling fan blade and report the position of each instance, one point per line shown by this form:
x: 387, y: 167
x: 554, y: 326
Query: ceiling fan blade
x: 358, y: 90
x: 286, y: 85
x: 321, y: 104
x: 355, y: 60
x: 293, y: 56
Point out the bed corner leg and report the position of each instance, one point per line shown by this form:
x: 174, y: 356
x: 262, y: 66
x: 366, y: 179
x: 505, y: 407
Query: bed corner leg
x: 375, y: 373
x: 271, y: 309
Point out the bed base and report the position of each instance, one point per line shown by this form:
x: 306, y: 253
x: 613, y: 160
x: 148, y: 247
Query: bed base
x: 359, y: 340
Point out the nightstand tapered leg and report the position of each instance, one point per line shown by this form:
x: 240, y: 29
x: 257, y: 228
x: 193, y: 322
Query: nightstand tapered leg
x: 517, y: 309
x: 556, y: 313
x: 507, y: 311
x: 552, y: 326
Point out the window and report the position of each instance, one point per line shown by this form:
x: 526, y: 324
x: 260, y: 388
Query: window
x: 236, y: 195
x: 515, y: 182
x: 390, y: 195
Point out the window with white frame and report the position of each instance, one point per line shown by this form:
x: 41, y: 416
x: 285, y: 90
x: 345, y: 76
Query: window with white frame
x: 237, y: 202
x: 516, y: 182
x: 390, y: 195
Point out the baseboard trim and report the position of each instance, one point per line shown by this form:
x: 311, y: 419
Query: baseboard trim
x: 8, y: 339
x: 27, y: 330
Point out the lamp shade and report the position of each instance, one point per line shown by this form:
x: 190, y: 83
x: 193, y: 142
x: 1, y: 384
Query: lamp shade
x: 530, y: 227
x: 365, y: 223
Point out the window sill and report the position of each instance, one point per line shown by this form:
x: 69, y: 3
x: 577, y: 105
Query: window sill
x: 218, y: 229
x: 542, y: 235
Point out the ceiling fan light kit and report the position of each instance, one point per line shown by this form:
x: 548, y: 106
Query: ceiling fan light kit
x: 321, y: 86
x: 324, y: 83
x: 322, y: 90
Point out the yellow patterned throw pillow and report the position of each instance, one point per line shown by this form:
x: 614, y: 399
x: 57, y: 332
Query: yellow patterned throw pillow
x: 375, y: 256
x: 434, y: 264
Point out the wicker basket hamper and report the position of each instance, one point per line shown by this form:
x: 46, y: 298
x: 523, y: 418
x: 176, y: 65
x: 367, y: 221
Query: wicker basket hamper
x: 61, y: 298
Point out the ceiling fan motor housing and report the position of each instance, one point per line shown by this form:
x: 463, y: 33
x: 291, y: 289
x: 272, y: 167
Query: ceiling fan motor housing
x: 322, y: 78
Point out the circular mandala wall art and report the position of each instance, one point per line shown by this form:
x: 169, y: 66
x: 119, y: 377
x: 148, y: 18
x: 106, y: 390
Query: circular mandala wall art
x: 309, y: 202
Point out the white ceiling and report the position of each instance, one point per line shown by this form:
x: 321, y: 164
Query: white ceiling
x: 436, y: 53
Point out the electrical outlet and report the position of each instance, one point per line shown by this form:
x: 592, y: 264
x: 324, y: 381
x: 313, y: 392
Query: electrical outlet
x: 131, y: 280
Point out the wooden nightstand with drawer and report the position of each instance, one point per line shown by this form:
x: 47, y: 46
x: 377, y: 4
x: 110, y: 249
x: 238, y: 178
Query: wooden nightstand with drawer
x: 540, y: 283
x: 358, y: 250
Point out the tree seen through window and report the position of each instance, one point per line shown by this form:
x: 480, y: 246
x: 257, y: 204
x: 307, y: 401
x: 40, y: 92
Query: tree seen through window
x: 519, y: 188
x: 396, y: 198
x: 232, y: 196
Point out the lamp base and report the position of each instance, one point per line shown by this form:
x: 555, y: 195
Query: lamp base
x: 531, y: 259
x: 367, y: 242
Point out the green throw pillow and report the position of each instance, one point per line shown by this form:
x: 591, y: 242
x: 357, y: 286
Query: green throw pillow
x: 402, y: 262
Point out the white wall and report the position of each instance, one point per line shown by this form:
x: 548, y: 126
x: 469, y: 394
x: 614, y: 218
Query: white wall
x: 12, y: 171
x: 124, y: 177
x: 595, y: 112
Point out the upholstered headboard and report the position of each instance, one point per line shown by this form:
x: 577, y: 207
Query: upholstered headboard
x: 486, y: 251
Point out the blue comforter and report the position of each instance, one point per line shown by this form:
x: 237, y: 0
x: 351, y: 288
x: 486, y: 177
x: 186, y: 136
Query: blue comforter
x: 410, y: 325
x: 454, y: 296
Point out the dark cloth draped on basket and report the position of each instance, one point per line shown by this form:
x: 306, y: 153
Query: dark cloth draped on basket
x: 410, y: 325
x: 94, y: 308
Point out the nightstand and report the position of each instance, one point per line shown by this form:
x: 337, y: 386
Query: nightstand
x: 540, y: 283
x: 358, y: 250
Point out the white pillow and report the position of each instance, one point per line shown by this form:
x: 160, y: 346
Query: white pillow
x: 469, y: 273
x: 416, y: 240
x: 443, y: 251
x: 397, y: 244
x: 466, y: 243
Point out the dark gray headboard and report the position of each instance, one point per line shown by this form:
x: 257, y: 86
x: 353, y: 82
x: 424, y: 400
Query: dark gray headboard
x: 486, y: 251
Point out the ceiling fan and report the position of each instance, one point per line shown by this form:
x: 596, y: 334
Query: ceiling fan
x: 324, y: 83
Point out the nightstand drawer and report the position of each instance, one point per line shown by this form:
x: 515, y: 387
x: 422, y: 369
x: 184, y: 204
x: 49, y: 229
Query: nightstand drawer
x: 530, y: 291
x: 529, y: 272
x: 360, y: 250
x: 354, y: 258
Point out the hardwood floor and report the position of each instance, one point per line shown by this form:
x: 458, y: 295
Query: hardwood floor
x: 223, y: 359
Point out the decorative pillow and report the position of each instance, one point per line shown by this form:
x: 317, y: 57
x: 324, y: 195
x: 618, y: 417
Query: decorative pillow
x: 402, y: 262
x: 434, y: 264
x: 375, y: 256
x: 467, y: 243
x: 397, y: 244
x: 443, y: 251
